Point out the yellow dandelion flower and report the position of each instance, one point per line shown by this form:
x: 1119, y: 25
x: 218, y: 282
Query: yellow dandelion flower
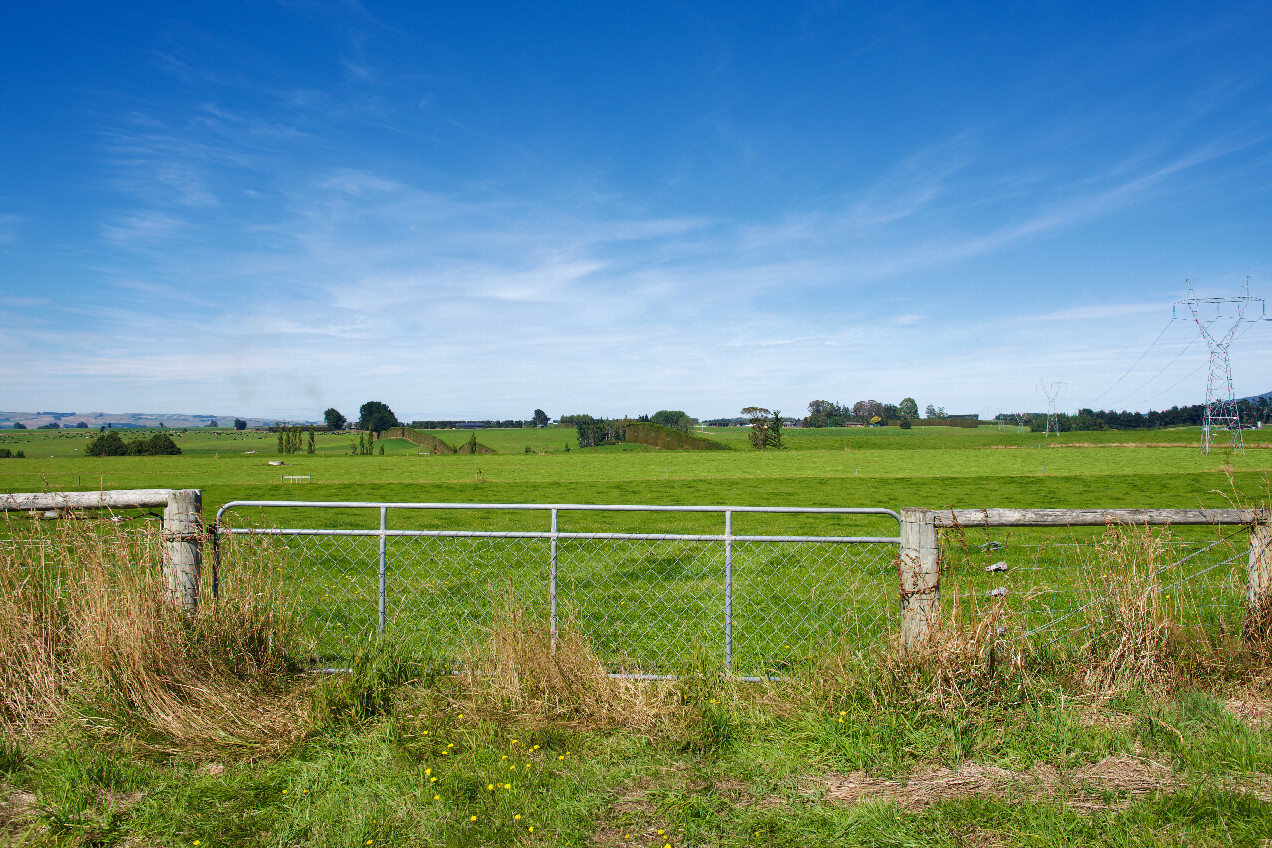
x: 561, y: 757
x: 472, y: 818
x: 514, y: 742
x: 432, y: 780
x: 196, y: 842
x: 437, y: 797
x: 369, y: 841
x: 532, y: 828
x: 490, y: 787
x: 428, y: 771
x: 461, y: 715
x: 512, y: 768
x: 504, y: 757
x: 450, y: 745
x: 661, y: 832
x: 284, y: 791
x: 444, y: 753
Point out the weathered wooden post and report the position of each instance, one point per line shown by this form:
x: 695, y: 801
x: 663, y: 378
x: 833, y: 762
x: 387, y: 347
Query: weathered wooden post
x: 920, y: 573
x: 1257, y: 624
x: 182, y: 551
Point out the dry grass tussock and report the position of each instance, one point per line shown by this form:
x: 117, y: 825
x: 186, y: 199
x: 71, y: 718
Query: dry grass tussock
x: 87, y: 634
x: 519, y: 675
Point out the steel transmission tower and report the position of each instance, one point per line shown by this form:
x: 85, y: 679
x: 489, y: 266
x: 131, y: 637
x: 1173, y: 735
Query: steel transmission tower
x: 1052, y: 391
x: 1221, y: 403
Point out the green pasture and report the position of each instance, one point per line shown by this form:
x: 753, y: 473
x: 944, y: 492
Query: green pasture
x: 648, y: 605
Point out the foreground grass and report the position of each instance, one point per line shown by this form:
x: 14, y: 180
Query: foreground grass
x: 733, y: 766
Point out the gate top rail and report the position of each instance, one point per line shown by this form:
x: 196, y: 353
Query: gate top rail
x: 831, y: 510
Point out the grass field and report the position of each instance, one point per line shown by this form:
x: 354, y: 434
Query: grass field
x: 1090, y: 742
x: 889, y: 467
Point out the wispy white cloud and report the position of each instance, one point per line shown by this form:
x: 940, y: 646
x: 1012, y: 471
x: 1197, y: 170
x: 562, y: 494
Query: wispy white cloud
x: 9, y: 223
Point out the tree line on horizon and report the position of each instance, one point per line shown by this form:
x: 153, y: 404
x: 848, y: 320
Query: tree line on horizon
x: 1256, y: 410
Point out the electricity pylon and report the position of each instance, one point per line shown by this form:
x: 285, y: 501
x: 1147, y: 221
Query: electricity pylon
x: 1052, y: 391
x: 1221, y: 404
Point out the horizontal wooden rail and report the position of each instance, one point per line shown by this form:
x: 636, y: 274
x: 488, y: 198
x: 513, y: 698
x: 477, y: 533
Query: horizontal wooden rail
x: 1091, y: 517
x: 120, y: 498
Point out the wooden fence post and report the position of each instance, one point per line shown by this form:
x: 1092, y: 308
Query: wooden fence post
x: 182, y: 551
x: 1257, y: 624
x: 920, y: 575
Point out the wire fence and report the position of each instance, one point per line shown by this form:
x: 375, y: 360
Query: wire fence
x: 1052, y: 585
x: 648, y: 603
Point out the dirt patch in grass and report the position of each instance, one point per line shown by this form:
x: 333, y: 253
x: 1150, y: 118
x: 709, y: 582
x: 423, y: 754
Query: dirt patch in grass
x: 1254, y: 710
x: 17, y: 813
x: 1108, y: 784
x: 633, y: 818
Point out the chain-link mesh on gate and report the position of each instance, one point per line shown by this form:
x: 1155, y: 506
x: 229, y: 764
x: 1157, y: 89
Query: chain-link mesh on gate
x: 646, y: 602
x: 1055, y: 585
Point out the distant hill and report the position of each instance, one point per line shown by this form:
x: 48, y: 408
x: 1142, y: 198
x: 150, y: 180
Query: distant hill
x: 125, y: 420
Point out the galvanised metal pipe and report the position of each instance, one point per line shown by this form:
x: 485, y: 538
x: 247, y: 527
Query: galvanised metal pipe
x: 384, y: 512
x: 552, y: 583
x: 728, y: 592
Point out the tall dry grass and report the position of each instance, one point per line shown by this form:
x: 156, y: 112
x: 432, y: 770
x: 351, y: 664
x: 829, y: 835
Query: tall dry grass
x: 88, y: 635
x: 518, y: 672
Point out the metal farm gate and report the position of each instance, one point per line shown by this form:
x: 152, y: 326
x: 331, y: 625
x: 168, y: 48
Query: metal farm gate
x: 796, y: 583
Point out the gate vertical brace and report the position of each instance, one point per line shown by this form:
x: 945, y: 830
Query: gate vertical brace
x: 552, y: 585
x: 728, y: 592
x: 384, y: 512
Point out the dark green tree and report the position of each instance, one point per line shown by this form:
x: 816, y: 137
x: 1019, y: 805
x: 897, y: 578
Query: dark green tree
x: 540, y: 418
x: 907, y: 409
x: 18, y: 425
x: 672, y: 419
x: 312, y: 447
x: 240, y: 424
x: 160, y: 444
x: 107, y: 444
x: 773, y: 438
x: 759, y: 426
x: 376, y: 417
x: 334, y: 419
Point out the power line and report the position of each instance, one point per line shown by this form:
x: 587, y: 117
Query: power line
x: 1155, y: 376
x: 1194, y: 373
x: 1136, y: 362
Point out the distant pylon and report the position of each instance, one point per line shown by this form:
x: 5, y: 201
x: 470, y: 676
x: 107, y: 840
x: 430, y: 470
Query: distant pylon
x: 1052, y: 391
x: 1221, y: 403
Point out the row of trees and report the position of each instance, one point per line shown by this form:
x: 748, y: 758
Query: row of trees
x: 824, y: 413
x: 111, y: 444
x: 376, y: 417
x: 290, y: 440
x: 1252, y: 411
x: 594, y: 432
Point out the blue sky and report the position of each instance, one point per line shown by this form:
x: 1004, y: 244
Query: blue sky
x: 476, y: 209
